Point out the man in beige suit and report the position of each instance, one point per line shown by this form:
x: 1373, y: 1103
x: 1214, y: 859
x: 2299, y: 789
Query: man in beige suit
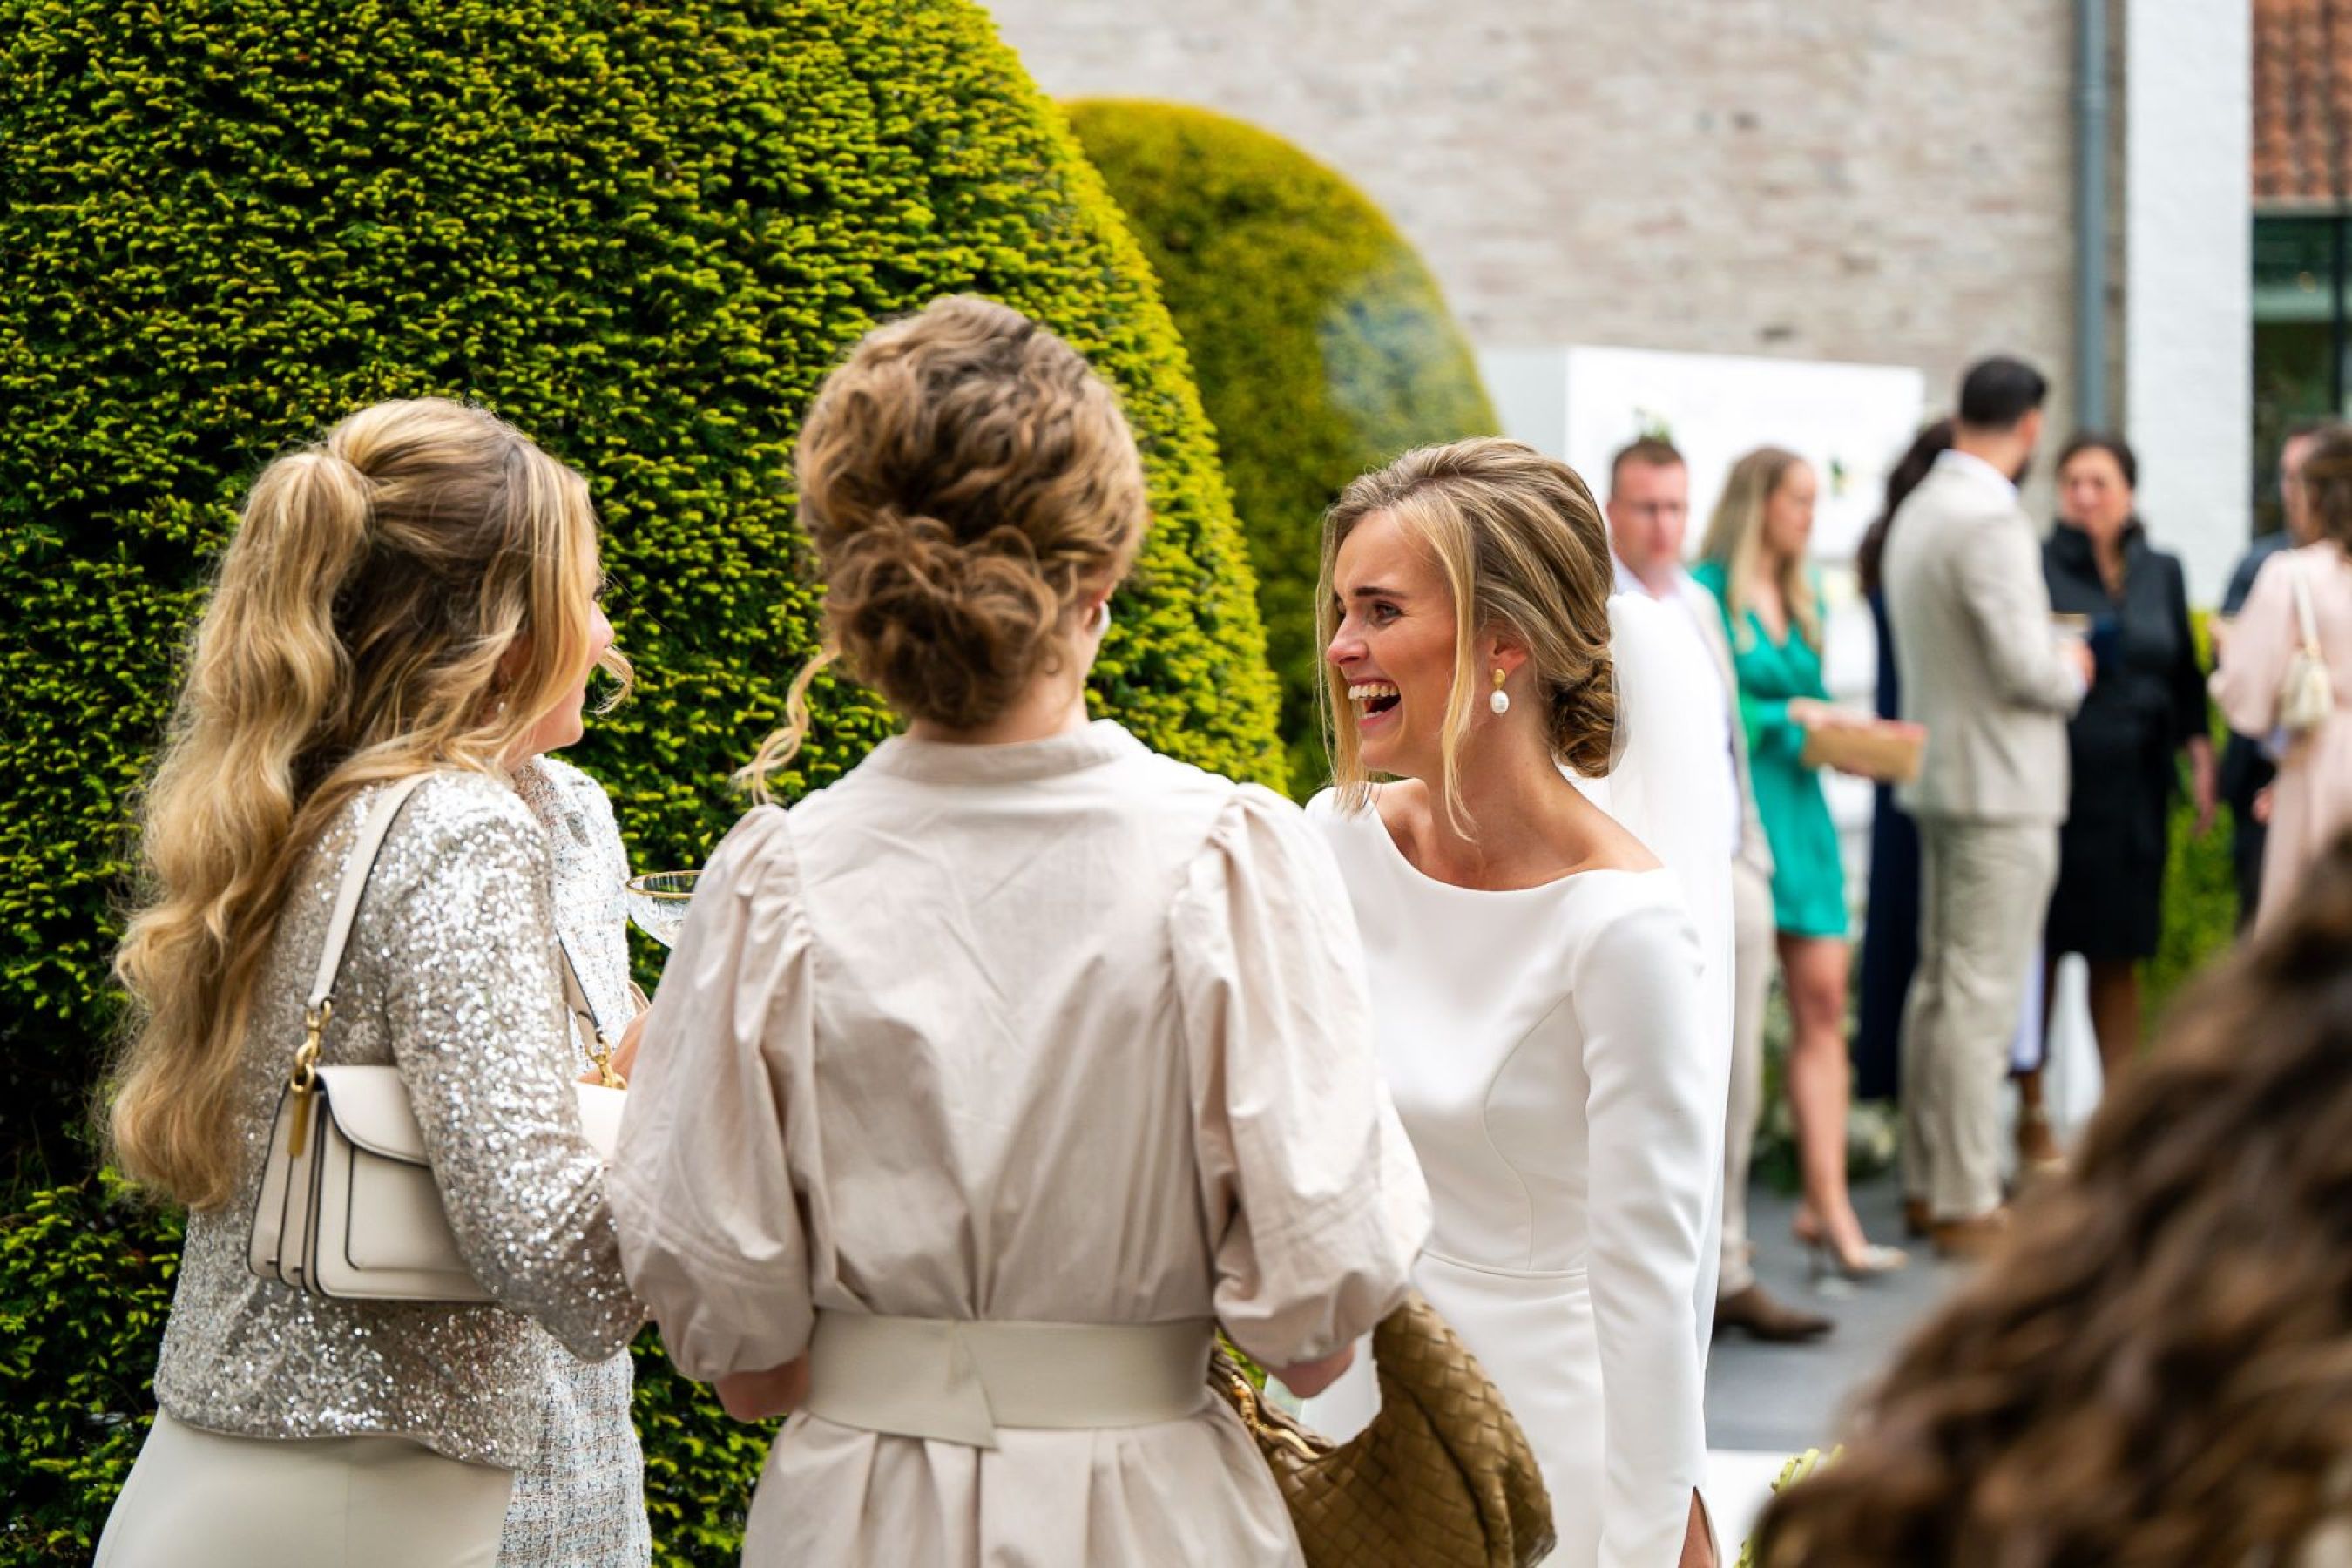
x: 1983, y: 668
x: 1649, y: 512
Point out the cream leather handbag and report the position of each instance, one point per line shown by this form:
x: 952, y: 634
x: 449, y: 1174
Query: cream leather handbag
x: 2306, y: 693
x: 348, y: 1206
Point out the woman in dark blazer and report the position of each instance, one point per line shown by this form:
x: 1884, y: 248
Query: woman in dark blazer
x: 2146, y: 708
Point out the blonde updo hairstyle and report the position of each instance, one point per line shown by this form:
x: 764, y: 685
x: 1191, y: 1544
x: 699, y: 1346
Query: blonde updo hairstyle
x: 965, y: 479
x: 1525, y: 554
x: 415, y: 591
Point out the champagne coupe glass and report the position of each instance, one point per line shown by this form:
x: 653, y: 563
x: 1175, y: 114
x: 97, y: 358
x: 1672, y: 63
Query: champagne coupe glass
x: 657, y: 904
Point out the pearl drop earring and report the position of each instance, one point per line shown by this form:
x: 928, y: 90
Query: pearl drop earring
x: 1501, y: 699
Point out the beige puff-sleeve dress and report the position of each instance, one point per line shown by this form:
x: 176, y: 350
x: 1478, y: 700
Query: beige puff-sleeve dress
x: 1057, y: 1032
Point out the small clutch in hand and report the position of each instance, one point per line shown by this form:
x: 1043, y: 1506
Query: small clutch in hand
x: 1881, y: 749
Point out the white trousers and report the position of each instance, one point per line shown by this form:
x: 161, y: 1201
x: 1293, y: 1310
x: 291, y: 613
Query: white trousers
x: 205, y: 1500
x: 1751, y: 982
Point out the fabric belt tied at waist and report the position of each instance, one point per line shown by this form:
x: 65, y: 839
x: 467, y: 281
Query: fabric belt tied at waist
x: 959, y: 1381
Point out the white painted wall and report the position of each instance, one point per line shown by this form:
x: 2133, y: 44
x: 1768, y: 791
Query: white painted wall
x: 2187, y: 373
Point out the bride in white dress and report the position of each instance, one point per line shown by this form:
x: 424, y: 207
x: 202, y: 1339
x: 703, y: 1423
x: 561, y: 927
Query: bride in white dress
x: 1544, y: 1014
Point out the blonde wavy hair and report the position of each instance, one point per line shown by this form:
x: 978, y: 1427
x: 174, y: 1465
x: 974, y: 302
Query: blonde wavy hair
x: 965, y: 478
x: 1523, y: 550
x: 1735, y: 539
x: 415, y: 591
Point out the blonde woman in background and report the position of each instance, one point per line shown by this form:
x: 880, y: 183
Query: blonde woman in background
x: 1754, y: 563
x: 1536, y: 972
x: 416, y: 592
x: 984, y: 1083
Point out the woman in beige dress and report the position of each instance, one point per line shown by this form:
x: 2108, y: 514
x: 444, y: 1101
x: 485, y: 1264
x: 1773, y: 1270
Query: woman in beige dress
x: 2311, y: 801
x: 985, y: 1082
x: 415, y: 594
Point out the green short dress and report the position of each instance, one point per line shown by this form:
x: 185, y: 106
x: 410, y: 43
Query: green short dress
x: 1808, y: 868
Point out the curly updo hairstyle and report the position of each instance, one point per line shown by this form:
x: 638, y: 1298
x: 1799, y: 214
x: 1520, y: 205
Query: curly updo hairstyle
x: 965, y: 478
x: 2159, y: 1367
x: 1524, y: 551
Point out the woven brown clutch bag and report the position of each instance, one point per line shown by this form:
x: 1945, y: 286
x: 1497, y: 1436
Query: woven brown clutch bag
x: 1441, y: 1479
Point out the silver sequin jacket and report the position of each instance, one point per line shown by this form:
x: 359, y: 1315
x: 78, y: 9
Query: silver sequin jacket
x: 450, y: 975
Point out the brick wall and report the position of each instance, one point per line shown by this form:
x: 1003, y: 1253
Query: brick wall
x: 1865, y: 180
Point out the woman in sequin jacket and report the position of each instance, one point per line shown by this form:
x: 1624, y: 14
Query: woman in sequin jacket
x: 415, y: 592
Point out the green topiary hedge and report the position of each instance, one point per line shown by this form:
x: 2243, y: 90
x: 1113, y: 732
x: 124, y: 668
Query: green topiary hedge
x: 1320, y: 342
x: 643, y: 233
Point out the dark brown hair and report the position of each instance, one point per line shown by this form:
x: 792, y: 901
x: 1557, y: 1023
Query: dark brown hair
x: 965, y: 477
x: 2115, y: 447
x: 2327, y: 485
x: 1901, y: 480
x: 2159, y: 1368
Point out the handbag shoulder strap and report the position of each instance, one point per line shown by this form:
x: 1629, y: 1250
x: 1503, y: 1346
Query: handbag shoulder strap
x: 2308, y: 622
x: 357, y: 868
x: 575, y: 994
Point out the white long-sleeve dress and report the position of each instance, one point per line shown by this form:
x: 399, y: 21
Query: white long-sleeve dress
x: 1543, y: 1045
x: 1063, y: 1032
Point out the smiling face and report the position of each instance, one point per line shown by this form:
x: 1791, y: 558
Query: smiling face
x: 1393, y: 648
x: 1788, y: 513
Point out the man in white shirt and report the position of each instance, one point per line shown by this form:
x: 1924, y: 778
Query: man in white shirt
x: 1649, y: 513
x: 1982, y: 666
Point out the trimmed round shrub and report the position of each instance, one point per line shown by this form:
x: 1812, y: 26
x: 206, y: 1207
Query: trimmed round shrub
x: 643, y: 233
x: 1320, y: 342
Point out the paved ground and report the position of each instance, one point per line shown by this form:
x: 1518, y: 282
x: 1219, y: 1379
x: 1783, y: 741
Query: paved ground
x: 1766, y: 1402
x: 1788, y: 1398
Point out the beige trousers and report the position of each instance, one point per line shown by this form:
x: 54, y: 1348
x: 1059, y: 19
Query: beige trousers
x: 205, y: 1500
x: 1984, y: 890
x: 1751, y: 981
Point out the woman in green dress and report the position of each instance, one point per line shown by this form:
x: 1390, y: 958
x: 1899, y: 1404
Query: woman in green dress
x: 1755, y: 566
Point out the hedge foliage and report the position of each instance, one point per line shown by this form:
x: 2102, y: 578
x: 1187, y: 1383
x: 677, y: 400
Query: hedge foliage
x: 1320, y: 342
x: 643, y: 233
x: 2200, y: 883
x: 85, y: 1281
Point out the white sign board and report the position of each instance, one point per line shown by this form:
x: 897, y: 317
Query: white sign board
x: 1851, y: 422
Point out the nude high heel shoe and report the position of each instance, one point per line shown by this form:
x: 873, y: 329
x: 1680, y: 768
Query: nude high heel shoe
x: 1827, y: 1259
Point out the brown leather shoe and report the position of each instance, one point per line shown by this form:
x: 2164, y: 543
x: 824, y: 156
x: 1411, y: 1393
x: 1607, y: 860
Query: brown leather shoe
x: 1756, y: 1310
x: 1971, y: 1239
x: 1919, y: 1219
